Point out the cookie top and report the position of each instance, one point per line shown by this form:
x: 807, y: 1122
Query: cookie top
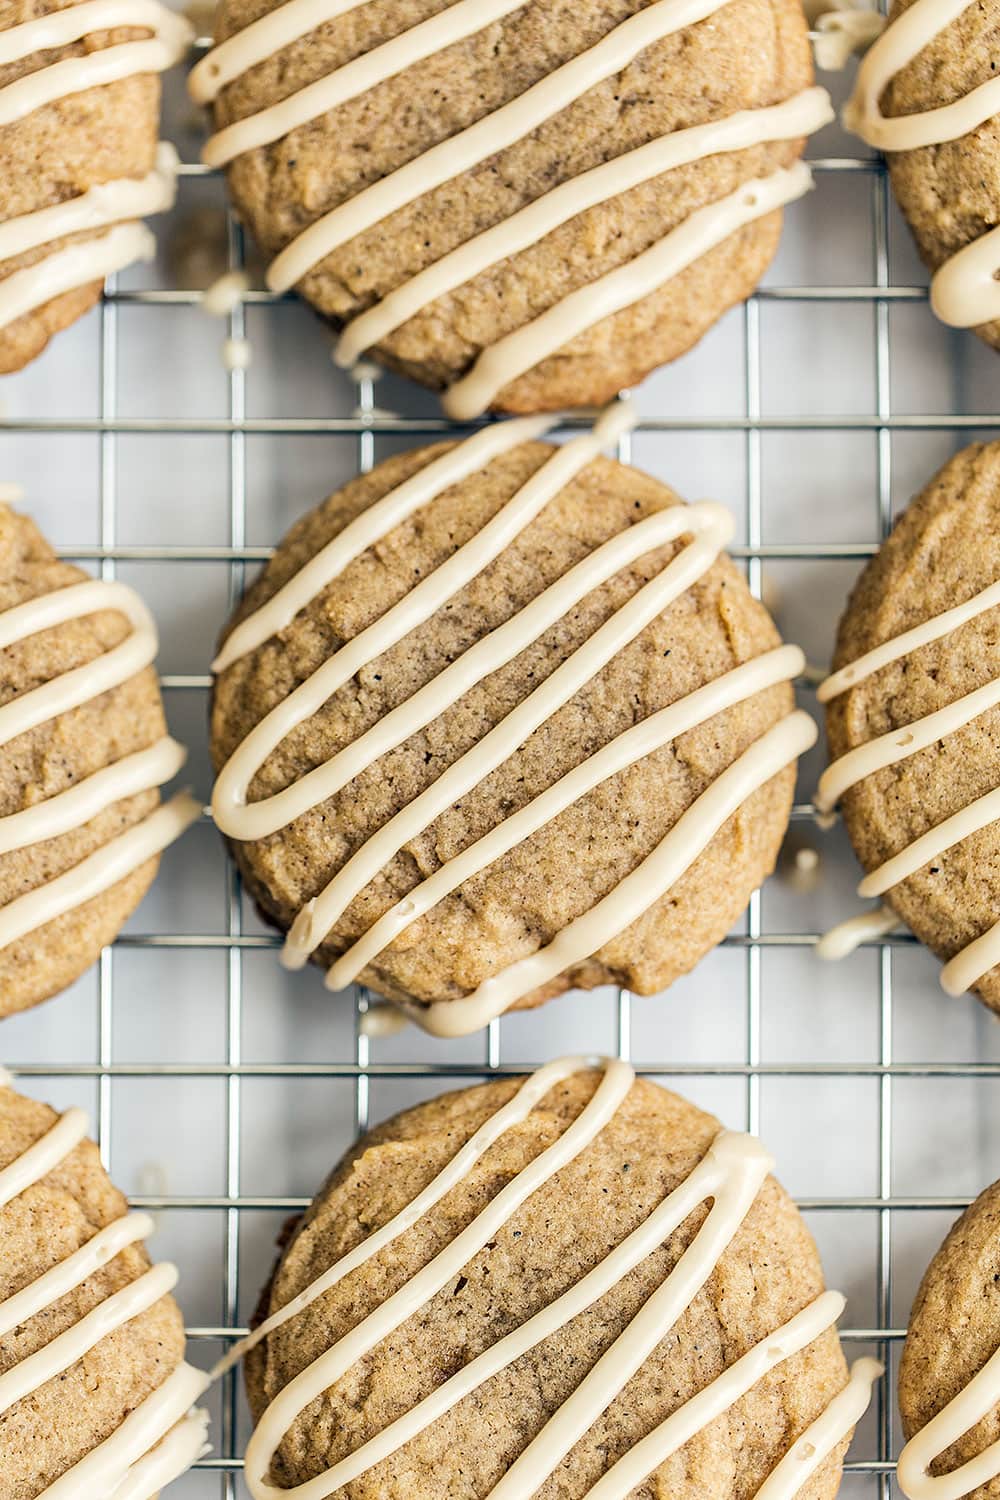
x: 534, y: 1228
x: 466, y: 701
x: 79, y: 112
x: 397, y: 133
x: 55, y: 1200
x: 943, y: 553
x: 943, y: 143
x: 77, y: 849
x: 954, y: 1333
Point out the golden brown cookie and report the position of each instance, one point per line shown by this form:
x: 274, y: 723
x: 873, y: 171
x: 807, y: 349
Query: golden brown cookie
x: 121, y: 726
x: 943, y: 552
x: 561, y: 1232
x: 954, y: 1331
x: 86, y: 1386
x: 949, y: 187
x: 287, y: 176
x: 62, y: 137
x: 421, y: 715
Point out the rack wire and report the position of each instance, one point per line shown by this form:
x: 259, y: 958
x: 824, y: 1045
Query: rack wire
x: 871, y: 1468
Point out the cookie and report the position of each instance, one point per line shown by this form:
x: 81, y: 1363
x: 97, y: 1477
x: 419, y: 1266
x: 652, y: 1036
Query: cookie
x: 524, y: 205
x: 949, y: 1373
x: 518, y: 1290
x: 499, y: 719
x: 83, y: 748
x: 914, y: 723
x: 94, y: 1391
x: 928, y: 95
x: 79, y: 161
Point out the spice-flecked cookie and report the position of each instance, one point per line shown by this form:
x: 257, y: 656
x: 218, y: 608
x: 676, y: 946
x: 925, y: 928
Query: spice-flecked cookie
x: 913, y: 722
x: 518, y: 1289
x: 498, y: 719
x: 83, y: 749
x: 929, y: 96
x: 949, y: 1373
x: 526, y: 205
x: 94, y: 1391
x: 79, y: 160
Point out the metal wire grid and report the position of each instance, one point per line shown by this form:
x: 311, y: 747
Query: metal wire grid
x: 366, y: 424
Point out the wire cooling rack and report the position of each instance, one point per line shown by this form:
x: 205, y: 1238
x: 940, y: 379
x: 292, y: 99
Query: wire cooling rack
x: 222, y: 1088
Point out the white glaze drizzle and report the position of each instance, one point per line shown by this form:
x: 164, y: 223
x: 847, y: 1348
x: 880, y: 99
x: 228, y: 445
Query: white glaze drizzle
x: 730, y: 1174
x: 81, y: 684
x: 488, y: 655
x: 78, y: 804
x: 461, y: 19
x: 800, y: 115
x: 162, y: 1437
x: 53, y: 1147
x: 898, y: 744
x: 230, y: 808
x: 964, y: 292
x: 642, y: 739
x: 258, y: 41
x: 184, y: 1443
x: 464, y: 459
x: 823, y: 1435
x: 707, y: 227
x: 709, y: 527
x: 885, y: 750
x: 172, y: 37
x: 101, y: 870
x: 975, y: 1401
x: 73, y: 1271
x: 104, y: 204
x: 935, y: 841
x: 636, y: 893
x: 66, y: 1348
x: 72, y: 267
x: 718, y: 1397
x: 495, y: 132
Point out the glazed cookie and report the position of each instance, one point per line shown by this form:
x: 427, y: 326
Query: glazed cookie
x: 517, y: 1290
x: 914, y: 725
x: 528, y: 205
x: 79, y: 161
x: 928, y: 94
x: 949, y: 1375
x: 499, y: 719
x: 83, y: 748
x: 95, y: 1397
